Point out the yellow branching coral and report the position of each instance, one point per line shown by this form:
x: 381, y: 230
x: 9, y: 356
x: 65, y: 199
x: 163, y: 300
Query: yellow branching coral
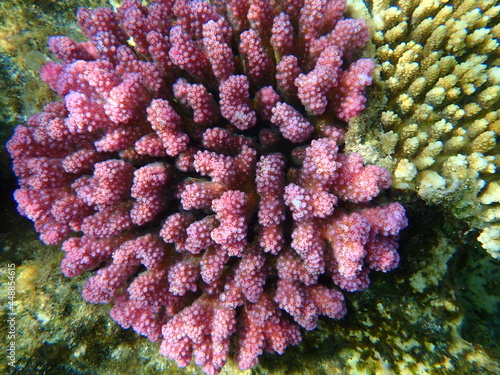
x: 438, y: 113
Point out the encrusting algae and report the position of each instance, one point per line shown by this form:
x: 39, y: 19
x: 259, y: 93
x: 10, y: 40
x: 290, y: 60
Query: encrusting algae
x: 438, y: 118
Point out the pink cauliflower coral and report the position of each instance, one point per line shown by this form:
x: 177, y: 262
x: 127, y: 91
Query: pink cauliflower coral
x: 193, y: 164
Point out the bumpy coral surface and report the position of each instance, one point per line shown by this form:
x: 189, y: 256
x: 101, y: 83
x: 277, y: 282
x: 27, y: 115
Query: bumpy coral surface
x: 193, y: 161
x: 439, y: 66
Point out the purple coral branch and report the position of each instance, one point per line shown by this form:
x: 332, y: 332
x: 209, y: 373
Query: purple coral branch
x: 170, y: 166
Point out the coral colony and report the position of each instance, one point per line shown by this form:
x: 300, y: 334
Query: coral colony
x: 194, y: 161
x: 441, y: 114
